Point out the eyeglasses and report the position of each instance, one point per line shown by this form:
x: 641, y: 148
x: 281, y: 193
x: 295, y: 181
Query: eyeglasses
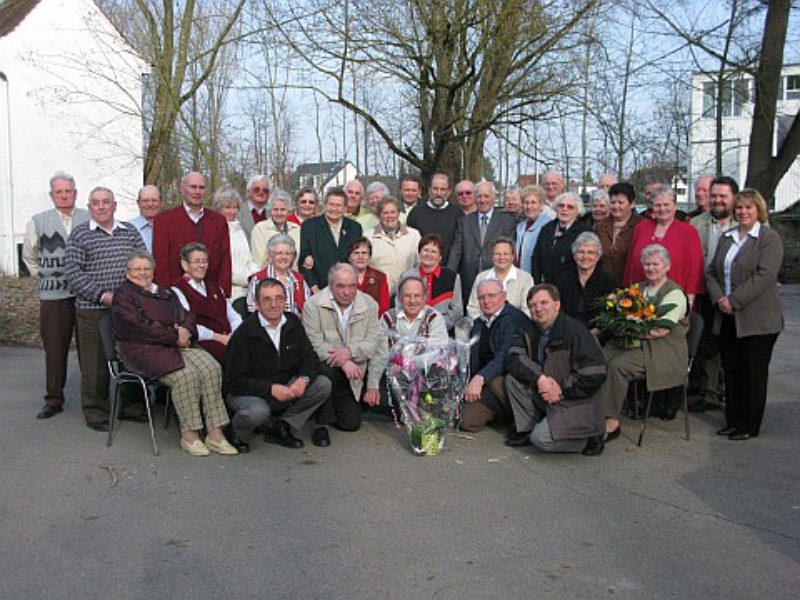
x: 260, y: 189
x: 464, y: 193
x: 307, y: 202
x: 199, y: 261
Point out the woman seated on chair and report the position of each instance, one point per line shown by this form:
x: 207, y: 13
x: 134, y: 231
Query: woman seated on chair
x: 215, y: 315
x: 661, y: 356
x: 155, y: 337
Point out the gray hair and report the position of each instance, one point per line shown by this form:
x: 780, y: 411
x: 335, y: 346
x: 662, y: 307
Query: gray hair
x: 61, y: 175
x: 187, y: 250
x: 383, y: 202
x: 533, y: 190
x: 280, y: 195
x: 599, y: 195
x: 255, y: 179
x: 140, y: 255
x: 663, y: 190
x: 656, y: 249
x: 226, y: 196
x: 408, y: 278
x: 341, y: 266
x: 281, y: 238
x: 575, y: 198
x: 588, y: 238
x: 100, y: 188
x: 490, y: 281
x: 477, y: 184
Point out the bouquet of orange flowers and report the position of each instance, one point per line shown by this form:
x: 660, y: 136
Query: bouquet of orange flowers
x: 630, y: 316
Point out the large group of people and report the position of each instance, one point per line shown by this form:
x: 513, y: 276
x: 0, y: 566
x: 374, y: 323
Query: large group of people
x: 276, y: 313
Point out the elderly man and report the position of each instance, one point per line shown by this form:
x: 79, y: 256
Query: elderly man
x: 354, y: 191
x: 475, y: 235
x: 512, y: 204
x: 409, y: 319
x: 191, y: 222
x: 606, y: 181
x: 44, y: 253
x: 466, y: 200
x: 553, y: 186
x: 702, y: 196
x: 704, y: 389
x: 410, y: 191
x: 341, y: 323
x: 493, y: 332
x: 369, y: 218
x: 555, y: 368
x: 149, y: 202
x: 273, y: 372
x: 437, y: 215
x: 96, y: 260
x: 324, y: 239
x: 255, y: 210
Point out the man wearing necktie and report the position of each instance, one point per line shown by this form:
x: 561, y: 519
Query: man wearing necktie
x: 471, y: 252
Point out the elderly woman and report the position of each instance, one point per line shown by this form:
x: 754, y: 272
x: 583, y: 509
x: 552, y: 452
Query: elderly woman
x: 601, y: 207
x: 394, y: 245
x: 307, y: 203
x: 680, y: 239
x: 280, y: 206
x: 370, y: 218
x: 585, y: 283
x: 516, y: 282
x: 228, y: 202
x: 552, y: 254
x: 533, y: 203
x: 662, y: 355
x: 154, y: 337
x: 742, y: 283
x: 282, y: 252
x: 615, y: 233
x: 442, y: 286
x: 216, y: 317
x: 371, y: 281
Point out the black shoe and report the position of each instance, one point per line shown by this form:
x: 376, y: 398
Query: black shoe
x: 48, y: 411
x: 137, y: 418
x: 612, y: 435
x: 281, y: 434
x: 237, y: 442
x: 739, y: 436
x: 726, y: 430
x: 101, y: 425
x: 321, y: 437
x: 594, y: 446
x: 518, y: 439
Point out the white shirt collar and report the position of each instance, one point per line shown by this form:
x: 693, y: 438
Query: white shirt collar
x: 512, y: 274
x: 491, y: 319
x: 401, y: 314
x: 194, y: 215
x: 488, y: 214
x: 265, y: 324
x: 434, y: 207
x: 753, y: 233
x: 116, y: 225
x: 252, y: 207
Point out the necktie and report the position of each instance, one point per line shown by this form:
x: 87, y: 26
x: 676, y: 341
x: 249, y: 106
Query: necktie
x: 484, y: 226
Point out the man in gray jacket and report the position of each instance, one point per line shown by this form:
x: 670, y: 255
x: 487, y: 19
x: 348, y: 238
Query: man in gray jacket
x: 44, y: 253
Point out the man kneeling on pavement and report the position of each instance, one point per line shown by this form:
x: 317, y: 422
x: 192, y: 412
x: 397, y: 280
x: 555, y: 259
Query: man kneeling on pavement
x: 272, y: 374
x: 555, y: 367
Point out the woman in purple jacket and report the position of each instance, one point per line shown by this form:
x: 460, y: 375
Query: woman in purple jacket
x: 154, y: 337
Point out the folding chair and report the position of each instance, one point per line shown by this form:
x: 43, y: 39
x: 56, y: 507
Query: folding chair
x: 693, y: 340
x: 120, y: 378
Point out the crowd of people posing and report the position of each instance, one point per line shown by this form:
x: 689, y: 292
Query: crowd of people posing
x: 275, y: 314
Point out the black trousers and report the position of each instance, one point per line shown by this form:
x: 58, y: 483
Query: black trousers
x: 745, y: 361
x: 342, y: 409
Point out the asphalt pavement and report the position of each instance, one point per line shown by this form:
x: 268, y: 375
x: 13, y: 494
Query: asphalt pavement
x: 365, y: 518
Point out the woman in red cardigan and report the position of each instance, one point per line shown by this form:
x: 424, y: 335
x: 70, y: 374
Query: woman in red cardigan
x: 680, y: 239
x: 370, y: 281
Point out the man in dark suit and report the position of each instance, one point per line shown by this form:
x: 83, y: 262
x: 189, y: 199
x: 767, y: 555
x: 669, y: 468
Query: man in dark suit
x: 471, y: 252
x: 494, y: 331
x: 324, y: 240
x: 255, y: 209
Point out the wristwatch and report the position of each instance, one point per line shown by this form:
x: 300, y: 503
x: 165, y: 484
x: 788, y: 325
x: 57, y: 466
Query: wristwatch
x: 306, y: 379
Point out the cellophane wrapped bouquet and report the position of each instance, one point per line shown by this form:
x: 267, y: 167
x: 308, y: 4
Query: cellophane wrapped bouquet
x: 629, y: 315
x: 426, y: 380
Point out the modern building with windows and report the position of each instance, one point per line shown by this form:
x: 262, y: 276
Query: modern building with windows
x: 737, y: 112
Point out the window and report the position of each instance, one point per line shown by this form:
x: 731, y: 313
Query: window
x: 792, y: 87
x: 735, y: 94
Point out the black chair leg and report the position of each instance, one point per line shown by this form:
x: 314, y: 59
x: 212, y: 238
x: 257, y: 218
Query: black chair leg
x: 644, y: 420
x: 113, y: 416
x: 686, y: 410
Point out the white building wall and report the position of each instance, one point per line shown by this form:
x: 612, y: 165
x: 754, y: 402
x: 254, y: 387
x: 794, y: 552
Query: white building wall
x: 74, y: 104
x: 736, y: 140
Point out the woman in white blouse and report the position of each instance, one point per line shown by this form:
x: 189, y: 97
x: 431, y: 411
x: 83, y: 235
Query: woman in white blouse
x: 516, y: 282
x: 227, y: 201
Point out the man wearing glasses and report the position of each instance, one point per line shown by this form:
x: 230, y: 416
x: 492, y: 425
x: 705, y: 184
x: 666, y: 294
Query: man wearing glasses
x: 255, y: 209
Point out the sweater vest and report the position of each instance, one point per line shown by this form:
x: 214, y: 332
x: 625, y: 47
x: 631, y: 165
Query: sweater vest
x: 52, y: 239
x: 210, y: 311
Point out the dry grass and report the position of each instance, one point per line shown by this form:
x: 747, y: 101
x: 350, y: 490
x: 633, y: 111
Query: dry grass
x: 19, y: 311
